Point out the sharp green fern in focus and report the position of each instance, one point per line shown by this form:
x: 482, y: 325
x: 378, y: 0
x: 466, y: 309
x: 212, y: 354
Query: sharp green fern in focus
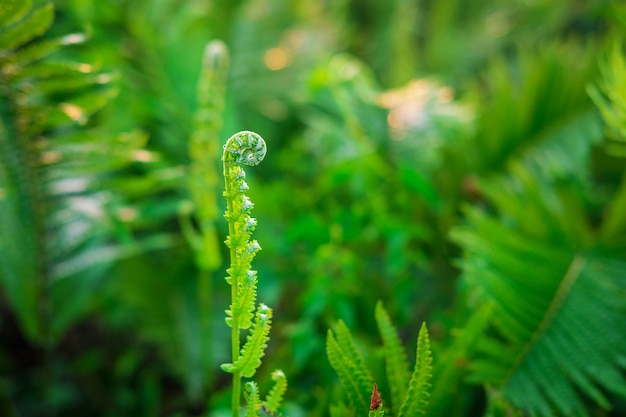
x: 410, y: 392
x: 245, y: 148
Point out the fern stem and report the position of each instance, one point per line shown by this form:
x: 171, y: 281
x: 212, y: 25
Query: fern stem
x: 234, y: 285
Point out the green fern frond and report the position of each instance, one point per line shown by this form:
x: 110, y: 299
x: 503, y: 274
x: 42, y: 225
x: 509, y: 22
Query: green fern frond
x: 13, y: 10
x: 610, y: 97
x: 275, y: 397
x: 34, y: 101
x: 396, y: 362
x: 549, y: 320
x: 254, y: 349
x: 349, y: 366
x: 417, y: 398
x: 16, y: 35
x: 204, y: 150
x: 251, y: 395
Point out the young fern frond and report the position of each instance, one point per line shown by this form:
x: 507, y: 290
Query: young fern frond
x: 246, y: 148
x: 251, y: 395
x: 204, y: 153
x: 396, y: 362
x: 242, y: 148
x: 254, y: 349
x: 348, y: 363
x: 275, y: 397
x: 416, y: 400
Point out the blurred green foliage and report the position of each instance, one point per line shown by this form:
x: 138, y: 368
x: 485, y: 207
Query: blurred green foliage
x: 461, y: 161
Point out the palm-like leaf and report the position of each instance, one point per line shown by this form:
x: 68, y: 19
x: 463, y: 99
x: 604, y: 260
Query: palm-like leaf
x: 55, y: 211
x: 558, y: 307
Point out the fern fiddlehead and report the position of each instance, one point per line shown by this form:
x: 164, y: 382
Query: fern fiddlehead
x: 242, y: 148
x: 245, y: 148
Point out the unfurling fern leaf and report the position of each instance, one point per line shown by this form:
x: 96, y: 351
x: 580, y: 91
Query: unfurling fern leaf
x: 348, y: 363
x: 251, y: 395
x: 396, y: 362
x: 416, y: 400
x: 275, y: 397
x: 245, y: 148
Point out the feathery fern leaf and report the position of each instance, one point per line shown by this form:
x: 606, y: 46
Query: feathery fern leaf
x: 396, y: 362
x: 251, y: 395
x: 275, y: 397
x: 204, y: 150
x: 416, y: 401
x: 348, y: 363
x: 254, y: 349
x: 558, y: 303
x: 57, y: 215
x: 35, y: 101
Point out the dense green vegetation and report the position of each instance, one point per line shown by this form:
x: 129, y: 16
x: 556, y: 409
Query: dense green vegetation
x: 462, y: 163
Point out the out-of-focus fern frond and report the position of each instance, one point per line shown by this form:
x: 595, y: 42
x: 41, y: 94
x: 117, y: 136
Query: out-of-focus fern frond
x: 525, y: 107
x: 53, y: 209
x: 558, y: 300
x: 610, y: 97
x: 251, y: 395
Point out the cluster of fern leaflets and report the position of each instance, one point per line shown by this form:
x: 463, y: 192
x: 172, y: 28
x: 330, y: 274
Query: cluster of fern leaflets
x: 51, y: 176
x: 246, y: 148
x: 409, y: 391
x: 558, y: 302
